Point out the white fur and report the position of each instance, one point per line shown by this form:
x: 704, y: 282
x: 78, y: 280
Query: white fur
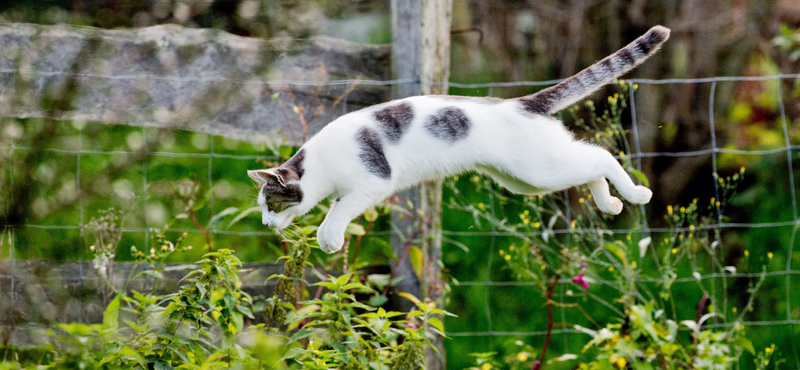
x: 524, y: 152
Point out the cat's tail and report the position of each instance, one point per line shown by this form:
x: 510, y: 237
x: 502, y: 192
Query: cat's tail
x: 577, y: 87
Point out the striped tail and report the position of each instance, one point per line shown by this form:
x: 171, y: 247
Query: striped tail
x: 585, y: 82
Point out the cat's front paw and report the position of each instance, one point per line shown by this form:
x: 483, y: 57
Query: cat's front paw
x: 641, y: 195
x: 329, y: 242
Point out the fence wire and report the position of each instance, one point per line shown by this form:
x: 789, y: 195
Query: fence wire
x: 493, y: 234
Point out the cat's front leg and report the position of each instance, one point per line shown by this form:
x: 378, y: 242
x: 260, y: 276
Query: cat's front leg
x: 330, y: 235
x: 321, y: 228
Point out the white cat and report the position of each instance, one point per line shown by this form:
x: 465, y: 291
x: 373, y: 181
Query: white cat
x: 365, y: 156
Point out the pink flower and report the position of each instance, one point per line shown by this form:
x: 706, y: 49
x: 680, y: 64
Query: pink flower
x: 579, y: 280
x: 412, y: 324
x: 535, y: 365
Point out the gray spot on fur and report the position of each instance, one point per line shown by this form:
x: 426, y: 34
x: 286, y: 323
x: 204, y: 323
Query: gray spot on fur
x: 296, y: 163
x: 449, y: 124
x: 278, y: 196
x: 372, y: 153
x: 394, y: 120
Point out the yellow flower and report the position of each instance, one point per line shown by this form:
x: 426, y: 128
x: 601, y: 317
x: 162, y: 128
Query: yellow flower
x: 597, y: 136
x: 508, y: 257
x: 164, y: 248
x: 502, y: 252
x: 683, y: 209
x: 621, y: 153
x: 526, y: 212
x: 734, y: 309
x: 628, y: 237
x: 486, y: 366
x: 544, y: 267
x: 717, y: 204
x: 694, y: 200
x: 635, y: 86
x: 580, y: 200
x: 633, y: 264
x: 713, y: 200
x: 746, y: 253
x: 621, y: 362
x: 766, y: 362
x: 572, y: 224
x: 455, y: 178
x: 589, y: 196
x: 669, y: 209
x: 680, y: 236
x: 769, y: 255
x: 480, y: 205
x: 537, y: 225
x: 611, y: 268
x: 691, y: 227
x: 666, y: 240
x: 525, y: 221
x: 674, y: 250
x: 522, y: 357
x: 511, y: 248
x: 691, y: 235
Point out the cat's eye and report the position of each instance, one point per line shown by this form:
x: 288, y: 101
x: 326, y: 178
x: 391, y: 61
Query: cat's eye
x: 278, y: 205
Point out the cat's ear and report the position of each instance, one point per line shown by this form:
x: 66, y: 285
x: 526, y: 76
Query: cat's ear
x: 283, y: 175
x: 261, y: 176
x: 286, y: 175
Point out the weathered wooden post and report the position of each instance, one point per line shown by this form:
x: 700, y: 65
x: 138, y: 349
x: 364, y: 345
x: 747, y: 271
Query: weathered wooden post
x: 421, y: 49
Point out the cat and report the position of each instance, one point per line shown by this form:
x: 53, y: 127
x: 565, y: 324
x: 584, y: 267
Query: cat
x: 365, y: 156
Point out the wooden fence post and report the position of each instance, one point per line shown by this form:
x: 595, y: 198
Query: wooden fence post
x: 421, y: 49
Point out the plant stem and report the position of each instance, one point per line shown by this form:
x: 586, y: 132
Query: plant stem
x: 359, y: 239
x: 549, y: 322
x: 201, y: 228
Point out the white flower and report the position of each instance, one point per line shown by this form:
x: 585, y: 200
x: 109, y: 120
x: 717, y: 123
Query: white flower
x: 643, y: 244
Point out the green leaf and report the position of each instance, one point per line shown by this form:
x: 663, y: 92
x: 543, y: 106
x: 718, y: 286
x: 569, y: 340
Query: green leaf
x: 294, y: 353
x: 242, y: 215
x: 286, y: 151
x: 617, y: 251
x: 219, y: 216
x: 377, y: 300
x: 415, y: 256
x: 342, y: 280
x: 303, y: 333
x: 111, y: 314
x: 160, y: 365
x: 642, y: 177
x: 746, y: 344
x: 355, y: 229
x: 436, y: 323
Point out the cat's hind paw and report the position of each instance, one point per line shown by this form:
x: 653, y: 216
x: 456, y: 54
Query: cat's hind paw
x: 641, y: 195
x: 611, y: 205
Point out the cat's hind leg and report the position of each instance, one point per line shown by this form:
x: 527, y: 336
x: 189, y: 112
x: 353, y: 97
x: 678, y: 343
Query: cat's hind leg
x: 581, y: 163
x: 603, y: 198
x: 330, y: 235
x: 509, y: 182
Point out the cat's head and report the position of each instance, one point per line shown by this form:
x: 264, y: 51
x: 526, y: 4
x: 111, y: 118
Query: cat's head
x: 279, y: 193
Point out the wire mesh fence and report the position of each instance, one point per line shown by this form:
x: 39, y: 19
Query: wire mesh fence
x: 211, y: 158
